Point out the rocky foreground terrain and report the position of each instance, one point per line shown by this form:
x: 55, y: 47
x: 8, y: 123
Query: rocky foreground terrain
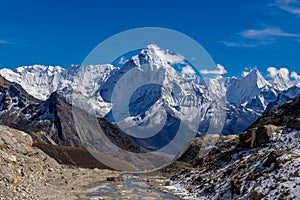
x: 28, y: 173
x: 261, y: 163
x: 233, y: 172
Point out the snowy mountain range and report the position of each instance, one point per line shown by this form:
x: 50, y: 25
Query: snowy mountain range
x: 173, y: 86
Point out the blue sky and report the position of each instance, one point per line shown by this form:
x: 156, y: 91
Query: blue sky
x: 236, y: 33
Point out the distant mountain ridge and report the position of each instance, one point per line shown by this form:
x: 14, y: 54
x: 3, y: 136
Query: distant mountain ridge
x: 245, y: 99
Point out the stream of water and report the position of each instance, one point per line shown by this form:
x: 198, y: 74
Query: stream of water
x: 132, y: 188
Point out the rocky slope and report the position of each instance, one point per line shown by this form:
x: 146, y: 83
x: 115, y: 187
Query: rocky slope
x: 267, y: 170
x: 287, y: 114
x: 50, y: 121
x: 28, y: 173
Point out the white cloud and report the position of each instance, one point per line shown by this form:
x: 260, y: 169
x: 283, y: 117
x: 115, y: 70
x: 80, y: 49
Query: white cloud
x: 273, y: 71
x: 291, y: 9
x: 286, y: 1
x: 4, y: 41
x: 220, y: 71
x: 248, y: 43
x: 238, y: 44
x: 187, y: 70
x: 266, y: 33
x: 122, y: 60
x: 295, y: 75
x: 259, y: 37
x: 290, y: 6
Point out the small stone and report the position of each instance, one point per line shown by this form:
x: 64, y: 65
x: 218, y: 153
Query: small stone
x: 14, y: 140
x: 12, y: 179
x: 74, y: 174
x: 1, y: 143
x: 273, y: 187
x: 8, y: 178
x: 255, y: 195
x: 23, y: 173
x: 287, y: 193
x: 110, y: 179
x: 235, y: 187
x: 296, y: 174
x: 252, y: 177
x: 11, y: 158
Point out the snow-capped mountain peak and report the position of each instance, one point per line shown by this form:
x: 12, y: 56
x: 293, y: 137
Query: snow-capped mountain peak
x: 281, y: 83
x: 158, y: 57
x: 241, y: 91
x: 256, y: 78
x: 36, y: 68
x: 38, y: 80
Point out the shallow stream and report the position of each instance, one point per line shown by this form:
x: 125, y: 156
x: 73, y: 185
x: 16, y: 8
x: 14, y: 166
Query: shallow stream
x: 132, y: 188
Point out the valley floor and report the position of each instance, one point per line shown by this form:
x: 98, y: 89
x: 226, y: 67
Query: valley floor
x: 28, y: 173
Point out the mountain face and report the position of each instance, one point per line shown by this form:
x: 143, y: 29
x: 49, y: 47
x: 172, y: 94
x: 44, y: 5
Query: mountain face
x: 168, y: 94
x: 242, y: 90
x: 51, y: 121
x: 281, y: 83
x: 16, y: 106
x: 40, y: 81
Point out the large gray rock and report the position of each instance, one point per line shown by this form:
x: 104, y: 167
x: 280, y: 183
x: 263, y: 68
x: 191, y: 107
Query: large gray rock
x: 286, y: 115
x: 294, y: 124
x: 257, y: 136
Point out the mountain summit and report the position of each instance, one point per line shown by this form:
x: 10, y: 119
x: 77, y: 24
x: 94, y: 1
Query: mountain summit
x: 244, y: 89
x: 38, y: 80
x: 281, y: 83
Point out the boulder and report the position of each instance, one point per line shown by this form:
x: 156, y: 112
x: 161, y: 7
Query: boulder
x: 272, y: 159
x: 257, y: 136
x: 294, y: 124
x: 255, y: 195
